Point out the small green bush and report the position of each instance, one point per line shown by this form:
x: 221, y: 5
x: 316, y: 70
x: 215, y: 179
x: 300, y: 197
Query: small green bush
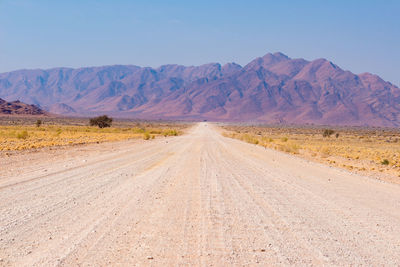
x: 385, y: 162
x: 146, y: 136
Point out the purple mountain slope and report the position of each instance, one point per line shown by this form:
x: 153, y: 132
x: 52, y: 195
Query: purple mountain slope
x: 273, y: 89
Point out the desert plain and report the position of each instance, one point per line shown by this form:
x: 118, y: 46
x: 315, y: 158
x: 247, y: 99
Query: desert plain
x: 200, y: 197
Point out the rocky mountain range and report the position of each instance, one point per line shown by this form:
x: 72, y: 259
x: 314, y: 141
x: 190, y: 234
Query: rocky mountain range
x: 19, y: 108
x: 271, y: 89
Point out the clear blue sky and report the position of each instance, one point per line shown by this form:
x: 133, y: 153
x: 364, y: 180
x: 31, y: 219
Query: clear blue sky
x: 358, y: 35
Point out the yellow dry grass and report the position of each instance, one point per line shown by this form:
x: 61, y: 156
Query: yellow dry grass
x: 360, y: 149
x: 22, y: 137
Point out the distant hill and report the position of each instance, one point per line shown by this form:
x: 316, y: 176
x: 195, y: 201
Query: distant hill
x: 19, y: 108
x: 272, y: 89
x: 61, y: 108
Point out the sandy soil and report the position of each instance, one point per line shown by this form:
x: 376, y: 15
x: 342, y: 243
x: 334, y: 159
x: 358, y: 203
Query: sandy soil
x: 197, y: 200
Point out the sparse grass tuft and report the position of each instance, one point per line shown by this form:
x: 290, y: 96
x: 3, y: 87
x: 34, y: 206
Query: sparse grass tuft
x: 23, y: 135
x: 146, y: 136
x: 250, y: 139
x: 170, y: 132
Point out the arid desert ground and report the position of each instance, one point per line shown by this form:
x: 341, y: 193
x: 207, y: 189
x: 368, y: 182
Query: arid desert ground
x: 198, y: 199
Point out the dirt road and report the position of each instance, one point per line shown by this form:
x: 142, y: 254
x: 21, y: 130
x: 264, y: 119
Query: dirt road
x: 197, y: 200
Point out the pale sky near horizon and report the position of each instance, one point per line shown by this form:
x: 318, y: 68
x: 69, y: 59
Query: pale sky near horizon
x: 360, y: 36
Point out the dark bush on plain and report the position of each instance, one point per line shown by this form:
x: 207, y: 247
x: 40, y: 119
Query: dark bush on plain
x: 101, y: 121
x: 328, y: 132
x: 38, y: 123
x: 385, y: 162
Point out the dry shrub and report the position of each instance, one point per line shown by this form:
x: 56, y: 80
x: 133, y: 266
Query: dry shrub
x: 325, y: 152
x: 146, y: 136
x: 23, y: 135
x: 328, y: 132
x: 249, y: 139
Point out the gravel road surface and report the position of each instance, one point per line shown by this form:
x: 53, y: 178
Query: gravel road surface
x: 197, y: 200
